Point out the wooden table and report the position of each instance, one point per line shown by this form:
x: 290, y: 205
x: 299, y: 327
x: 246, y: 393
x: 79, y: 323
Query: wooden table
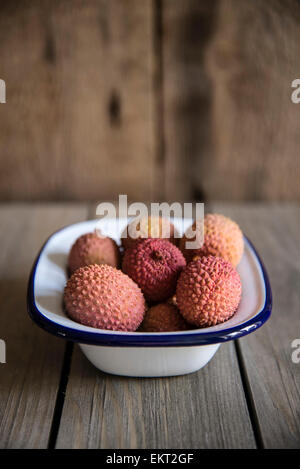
x: 246, y: 397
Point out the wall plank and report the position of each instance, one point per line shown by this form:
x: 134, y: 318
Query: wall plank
x: 251, y: 62
x: 158, y: 99
x: 187, y: 27
x: 231, y: 130
x: 78, y: 123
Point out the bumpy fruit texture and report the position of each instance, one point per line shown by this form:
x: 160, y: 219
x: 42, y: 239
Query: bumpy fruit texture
x: 222, y: 238
x: 163, y: 317
x: 149, y: 227
x: 93, y: 249
x: 208, y: 291
x: 154, y: 264
x: 103, y: 297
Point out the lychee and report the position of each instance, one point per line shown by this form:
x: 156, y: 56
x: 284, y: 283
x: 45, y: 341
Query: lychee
x: 149, y: 227
x: 103, y: 297
x: 208, y: 291
x: 222, y: 238
x: 154, y: 264
x: 92, y: 248
x: 163, y: 317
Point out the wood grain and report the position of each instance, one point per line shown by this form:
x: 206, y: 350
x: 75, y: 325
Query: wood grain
x: 78, y: 123
x: 251, y: 62
x: 29, y: 379
x: 231, y: 130
x: 187, y: 27
x: 206, y: 409
x: 273, y: 378
x: 157, y: 99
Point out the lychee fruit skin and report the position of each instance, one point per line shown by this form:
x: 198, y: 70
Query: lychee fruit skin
x: 222, y: 238
x: 163, y: 317
x: 103, y: 297
x: 93, y: 249
x: 154, y: 264
x: 150, y: 227
x: 208, y: 291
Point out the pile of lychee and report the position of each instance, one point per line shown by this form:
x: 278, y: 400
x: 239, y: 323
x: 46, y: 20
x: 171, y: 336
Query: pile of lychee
x: 153, y: 283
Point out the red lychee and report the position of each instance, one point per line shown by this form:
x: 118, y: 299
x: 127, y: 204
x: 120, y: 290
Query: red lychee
x: 91, y: 248
x: 163, y: 317
x: 208, y: 291
x: 154, y: 264
x: 149, y: 227
x: 222, y: 238
x: 103, y: 297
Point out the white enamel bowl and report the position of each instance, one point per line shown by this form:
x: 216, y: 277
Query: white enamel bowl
x: 136, y: 353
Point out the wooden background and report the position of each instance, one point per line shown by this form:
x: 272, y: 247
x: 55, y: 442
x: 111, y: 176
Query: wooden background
x: 158, y: 99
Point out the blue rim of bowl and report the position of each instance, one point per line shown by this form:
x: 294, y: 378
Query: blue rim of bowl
x: 139, y: 339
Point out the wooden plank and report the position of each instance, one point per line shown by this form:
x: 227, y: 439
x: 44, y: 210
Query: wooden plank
x: 29, y: 379
x: 80, y: 108
x: 251, y: 62
x: 186, y: 29
x: 206, y: 409
x: 231, y: 130
x: 274, y: 380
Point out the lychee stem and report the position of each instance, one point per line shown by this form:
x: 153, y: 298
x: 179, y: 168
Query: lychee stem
x: 157, y: 255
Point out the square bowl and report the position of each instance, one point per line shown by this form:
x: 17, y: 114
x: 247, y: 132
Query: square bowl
x: 159, y: 353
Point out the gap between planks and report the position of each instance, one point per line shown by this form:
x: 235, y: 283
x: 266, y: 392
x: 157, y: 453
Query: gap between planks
x: 249, y: 398
x: 60, y: 398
